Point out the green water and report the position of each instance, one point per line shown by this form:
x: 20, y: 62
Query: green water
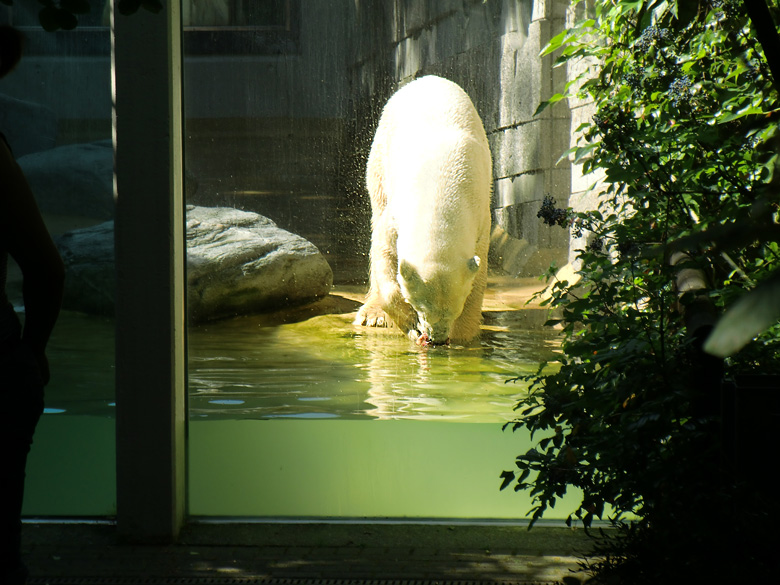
x: 302, y: 414
x: 313, y: 363
x: 81, y: 359
x: 325, y: 367
x: 284, y: 469
x: 71, y: 467
x: 355, y: 469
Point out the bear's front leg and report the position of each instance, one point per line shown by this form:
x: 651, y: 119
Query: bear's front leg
x: 384, y: 304
x: 401, y: 312
x: 382, y: 272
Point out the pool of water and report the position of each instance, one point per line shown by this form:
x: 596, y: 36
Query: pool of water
x: 312, y: 363
x: 298, y: 469
x: 322, y: 366
x: 302, y: 414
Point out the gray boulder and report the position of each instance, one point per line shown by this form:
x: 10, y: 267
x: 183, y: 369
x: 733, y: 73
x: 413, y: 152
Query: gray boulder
x: 237, y: 263
x: 90, y: 280
x: 29, y: 127
x: 77, y: 179
x: 241, y: 262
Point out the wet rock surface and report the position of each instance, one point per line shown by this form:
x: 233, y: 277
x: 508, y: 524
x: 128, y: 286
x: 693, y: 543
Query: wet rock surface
x: 238, y: 263
x: 90, y: 282
x: 241, y: 262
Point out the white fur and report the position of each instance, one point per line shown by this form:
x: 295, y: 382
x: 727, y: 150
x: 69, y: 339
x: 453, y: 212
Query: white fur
x: 429, y: 177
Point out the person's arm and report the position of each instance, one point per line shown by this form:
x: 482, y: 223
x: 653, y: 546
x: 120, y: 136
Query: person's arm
x: 27, y: 240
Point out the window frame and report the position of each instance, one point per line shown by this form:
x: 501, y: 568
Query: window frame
x: 201, y: 41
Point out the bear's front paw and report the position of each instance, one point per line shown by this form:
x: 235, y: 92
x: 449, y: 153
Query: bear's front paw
x: 372, y: 316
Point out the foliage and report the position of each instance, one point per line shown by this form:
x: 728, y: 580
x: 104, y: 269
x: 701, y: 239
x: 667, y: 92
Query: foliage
x: 685, y: 139
x: 63, y: 14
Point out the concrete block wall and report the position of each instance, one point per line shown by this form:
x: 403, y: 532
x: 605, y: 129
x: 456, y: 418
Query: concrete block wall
x: 585, y: 189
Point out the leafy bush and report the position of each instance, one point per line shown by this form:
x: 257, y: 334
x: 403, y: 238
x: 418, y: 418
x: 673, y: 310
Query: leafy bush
x: 685, y: 136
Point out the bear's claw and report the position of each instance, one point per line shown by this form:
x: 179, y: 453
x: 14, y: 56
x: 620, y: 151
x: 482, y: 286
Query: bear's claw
x: 371, y: 317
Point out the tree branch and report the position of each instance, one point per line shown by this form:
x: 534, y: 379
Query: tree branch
x: 766, y: 32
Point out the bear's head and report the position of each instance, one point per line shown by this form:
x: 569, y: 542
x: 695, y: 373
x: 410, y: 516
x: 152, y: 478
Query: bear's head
x: 437, y: 295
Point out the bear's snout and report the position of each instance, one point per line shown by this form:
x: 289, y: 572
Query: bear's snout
x: 424, y: 340
x: 437, y: 333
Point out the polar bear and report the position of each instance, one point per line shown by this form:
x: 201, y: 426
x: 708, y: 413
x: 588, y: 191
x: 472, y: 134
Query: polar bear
x: 429, y: 176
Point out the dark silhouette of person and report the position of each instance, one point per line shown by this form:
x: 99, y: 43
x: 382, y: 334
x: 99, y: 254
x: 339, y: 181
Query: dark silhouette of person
x: 24, y: 370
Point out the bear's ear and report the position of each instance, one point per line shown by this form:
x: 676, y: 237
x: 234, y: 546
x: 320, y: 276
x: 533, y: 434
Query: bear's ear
x: 408, y: 273
x: 474, y: 263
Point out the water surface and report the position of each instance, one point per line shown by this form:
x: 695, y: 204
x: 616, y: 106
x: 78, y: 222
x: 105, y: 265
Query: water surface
x: 324, y: 367
x: 311, y: 362
x: 291, y: 416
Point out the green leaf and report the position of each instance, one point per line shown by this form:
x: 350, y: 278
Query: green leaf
x: 754, y: 313
x: 554, y: 99
x: 555, y: 43
x: 587, y: 520
x: 745, y: 111
x: 583, y: 151
x: 507, y: 478
x: 633, y: 5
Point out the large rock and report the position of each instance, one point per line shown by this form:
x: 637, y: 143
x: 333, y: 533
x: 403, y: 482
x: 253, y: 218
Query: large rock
x: 90, y: 279
x: 241, y: 262
x: 77, y: 179
x: 237, y: 263
x: 29, y: 127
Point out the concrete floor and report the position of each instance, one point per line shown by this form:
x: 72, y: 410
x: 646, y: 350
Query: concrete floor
x: 291, y: 553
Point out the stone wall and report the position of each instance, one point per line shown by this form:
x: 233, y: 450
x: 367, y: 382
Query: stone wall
x: 584, y: 188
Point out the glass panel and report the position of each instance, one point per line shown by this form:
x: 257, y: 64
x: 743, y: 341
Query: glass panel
x: 56, y: 113
x: 295, y: 411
